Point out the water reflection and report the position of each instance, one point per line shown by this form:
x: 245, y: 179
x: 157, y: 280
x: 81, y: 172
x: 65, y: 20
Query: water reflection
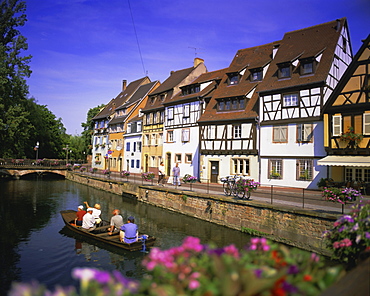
x: 34, y: 244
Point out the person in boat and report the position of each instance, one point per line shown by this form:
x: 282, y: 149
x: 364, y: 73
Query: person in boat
x: 129, y: 231
x: 96, y: 212
x: 116, y: 222
x: 88, y: 221
x: 79, y: 215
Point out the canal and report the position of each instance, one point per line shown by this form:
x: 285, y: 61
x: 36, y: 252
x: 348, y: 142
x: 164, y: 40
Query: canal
x: 35, y: 245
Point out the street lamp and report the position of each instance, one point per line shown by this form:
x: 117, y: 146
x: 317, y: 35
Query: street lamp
x: 66, y: 149
x: 37, y: 150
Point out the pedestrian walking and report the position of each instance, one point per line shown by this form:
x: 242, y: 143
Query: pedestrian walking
x: 176, y: 174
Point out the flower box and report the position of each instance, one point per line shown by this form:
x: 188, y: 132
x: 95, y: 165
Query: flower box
x: 148, y: 176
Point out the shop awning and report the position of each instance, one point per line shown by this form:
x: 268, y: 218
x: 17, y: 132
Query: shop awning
x: 337, y: 160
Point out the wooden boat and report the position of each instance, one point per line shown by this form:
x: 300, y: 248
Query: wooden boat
x: 101, y: 234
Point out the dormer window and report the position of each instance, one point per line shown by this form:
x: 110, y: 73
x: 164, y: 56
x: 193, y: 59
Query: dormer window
x: 231, y: 104
x: 162, y: 97
x: 284, y: 71
x: 190, y: 89
x: 152, y: 100
x: 233, y: 78
x: 256, y: 74
x: 307, y: 67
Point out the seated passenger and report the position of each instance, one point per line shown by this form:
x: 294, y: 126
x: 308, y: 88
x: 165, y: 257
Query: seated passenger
x: 116, y: 222
x: 79, y: 215
x: 96, y: 212
x: 129, y: 231
x: 88, y: 221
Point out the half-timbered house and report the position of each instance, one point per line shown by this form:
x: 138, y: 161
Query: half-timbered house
x: 181, y: 126
x: 347, y: 124
x: 228, y: 127
x: 307, y: 65
x: 101, y: 155
x: 154, y: 116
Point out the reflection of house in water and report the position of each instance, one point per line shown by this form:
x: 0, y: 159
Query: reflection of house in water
x: 85, y: 249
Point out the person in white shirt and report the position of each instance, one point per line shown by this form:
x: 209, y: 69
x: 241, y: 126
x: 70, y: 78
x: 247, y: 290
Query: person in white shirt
x: 96, y: 212
x: 88, y: 221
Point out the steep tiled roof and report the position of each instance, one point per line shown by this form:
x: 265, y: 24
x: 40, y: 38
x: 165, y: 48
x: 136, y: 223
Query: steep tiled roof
x: 121, y: 98
x: 142, y: 91
x: 300, y: 44
x: 205, y: 77
x: 249, y: 58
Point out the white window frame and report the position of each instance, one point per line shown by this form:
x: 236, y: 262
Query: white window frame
x: 170, y: 113
x: 303, y: 165
x: 291, y: 100
x: 240, y: 166
x: 237, y: 131
x: 304, y: 132
x: 185, y: 135
x: 275, y: 165
x: 187, y: 110
x: 280, y: 134
x: 170, y: 136
x: 337, y: 125
x: 366, y: 126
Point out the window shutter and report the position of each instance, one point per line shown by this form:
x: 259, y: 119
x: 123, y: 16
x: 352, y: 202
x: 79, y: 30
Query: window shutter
x: 337, y: 125
x: 366, y: 123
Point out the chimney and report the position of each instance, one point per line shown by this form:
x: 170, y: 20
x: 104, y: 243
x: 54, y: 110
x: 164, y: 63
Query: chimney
x: 198, y: 61
x: 124, y: 82
x: 338, y: 25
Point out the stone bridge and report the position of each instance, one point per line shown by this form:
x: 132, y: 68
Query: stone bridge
x: 18, y: 171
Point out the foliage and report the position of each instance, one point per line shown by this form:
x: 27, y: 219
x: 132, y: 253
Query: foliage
x: 262, y: 268
x: 106, y: 172
x: 83, y: 169
x: 341, y: 195
x: 93, y: 170
x: 148, y: 176
x: 247, y: 184
x: 323, y: 182
x: 350, y: 236
x: 189, y: 179
x: 125, y: 174
x: 274, y: 174
x: 351, y: 136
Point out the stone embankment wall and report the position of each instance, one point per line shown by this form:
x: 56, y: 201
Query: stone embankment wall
x: 296, y: 227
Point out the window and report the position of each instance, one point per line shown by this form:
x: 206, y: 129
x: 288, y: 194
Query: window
x: 284, y: 71
x: 256, y: 74
x: 337, y: 125
x: 185, y: 135
x: 139, y: 127
x: 128, y: 146
x: 357, y: 174
x: 129, y: 128
x: 188, y: 158
x: 306, y: 67
x: 178, y: 157
x: 366, y: 127
x: 155, y: 118
x: 132, y: 163
x: 275, y: 169
x: 161, y: 117
x: 233, y: 79
x: 139, y: 146
x: 152, y: 159
x: 221, y: 105
x: 187, y: 110
x: 304, y: 169
x: 304, y: 132
x: 240, y: 166
x: 163, y: 96
x: 169, y: 136
x: 170, y: 113
x: 290, y: 100
x: 146, y: 140
x: 138, y: 163
x: 280, y: 134
x: 237, y: 133
x: 227, y: 105
x: 153, y: 139
x: 190, y: 89
x: 134, y: 148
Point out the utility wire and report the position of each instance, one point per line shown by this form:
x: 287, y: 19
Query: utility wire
x: 137, y: 40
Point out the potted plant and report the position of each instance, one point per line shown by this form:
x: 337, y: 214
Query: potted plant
x: 93, y: 170
x: 274, y: 174
x: 305, y: 175
x: 106, y: 172
x: 351, y: 137
x: 125, y: 174
x: 189, y: 179
x: 148, y: 176
x: 341, y: 195
x: 247, y: 184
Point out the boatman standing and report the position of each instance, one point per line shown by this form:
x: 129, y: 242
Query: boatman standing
x: 129, y: 231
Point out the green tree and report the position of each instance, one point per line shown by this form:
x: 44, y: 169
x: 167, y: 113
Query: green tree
x: 88, y: 127
x: 14, y: 68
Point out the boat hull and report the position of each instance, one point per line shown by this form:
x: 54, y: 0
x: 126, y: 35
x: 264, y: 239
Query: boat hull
x: 68, y: 216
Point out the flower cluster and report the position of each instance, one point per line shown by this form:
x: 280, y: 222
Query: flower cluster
x: 93, y: 170
x: 76, y: 166
x: 69, y: 166
x: 125, y: 173
x: 83, y: 169
x: 106, y: 172
x: 350, y: 236
x: 247, y: 184
x: 341, y: 195
x: 351, y: 136
x: 189, y: 179
x: 262, y: 268
x: 148, y: 176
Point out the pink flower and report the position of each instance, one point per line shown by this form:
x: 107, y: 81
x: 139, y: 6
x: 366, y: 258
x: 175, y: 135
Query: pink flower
x: 192, y: 243
x: 193, y: 284
x: 232, y: 250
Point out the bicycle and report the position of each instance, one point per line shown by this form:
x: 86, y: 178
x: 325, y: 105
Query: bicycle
x: 230, y: 187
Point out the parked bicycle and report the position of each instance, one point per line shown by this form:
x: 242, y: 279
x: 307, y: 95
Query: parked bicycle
x: 234, y: 185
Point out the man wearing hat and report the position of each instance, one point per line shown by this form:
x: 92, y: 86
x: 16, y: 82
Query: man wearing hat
x: 79, y: 215
x: 129, y: 231
x: 88, y: 221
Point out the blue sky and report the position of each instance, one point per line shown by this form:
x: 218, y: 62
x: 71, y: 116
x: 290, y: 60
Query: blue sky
x: 83, y: 49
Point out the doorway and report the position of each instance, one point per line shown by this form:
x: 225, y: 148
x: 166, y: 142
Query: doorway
x: 168, y: 160
x: 146, y: 164
x: 214, y: 171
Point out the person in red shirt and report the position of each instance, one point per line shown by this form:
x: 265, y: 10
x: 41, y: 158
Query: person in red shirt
x: 79, y: 215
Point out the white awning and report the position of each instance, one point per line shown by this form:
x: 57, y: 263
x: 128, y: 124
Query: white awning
x: 337, y: 160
